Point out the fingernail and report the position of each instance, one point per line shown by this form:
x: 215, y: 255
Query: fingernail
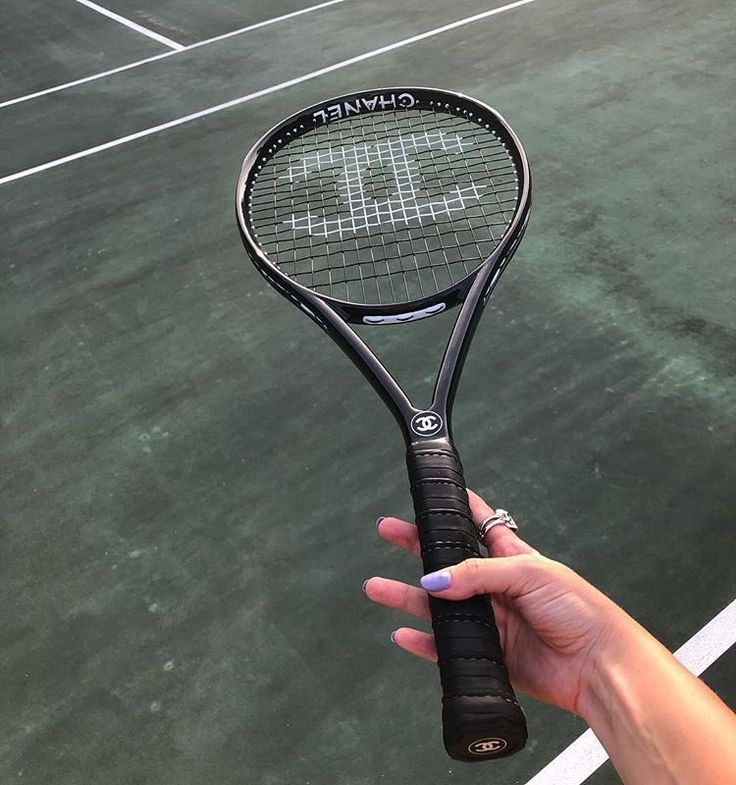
x: 363, y: 586
x: 379, y: 519
x: 393, y: 638
x: 436, y: 581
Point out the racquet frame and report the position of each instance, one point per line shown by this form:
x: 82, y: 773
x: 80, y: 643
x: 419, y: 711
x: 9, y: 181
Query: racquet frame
x: 481, y: 718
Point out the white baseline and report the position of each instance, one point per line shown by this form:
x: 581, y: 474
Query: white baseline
x: 153, y: 58
x: 585, y: 755
x: 162, y: 39
x: 258, y: 94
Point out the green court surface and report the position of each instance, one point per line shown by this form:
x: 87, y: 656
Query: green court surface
x: 191, y: 470
x: 189, y: 21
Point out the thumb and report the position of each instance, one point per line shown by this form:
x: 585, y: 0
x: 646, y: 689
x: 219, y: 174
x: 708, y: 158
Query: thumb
x: 511, y: 575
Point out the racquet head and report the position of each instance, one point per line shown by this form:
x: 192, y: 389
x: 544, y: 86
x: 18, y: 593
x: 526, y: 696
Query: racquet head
x: 385, y: 203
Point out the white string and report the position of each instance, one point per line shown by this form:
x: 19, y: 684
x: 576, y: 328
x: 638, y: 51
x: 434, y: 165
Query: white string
x: 402, y: 206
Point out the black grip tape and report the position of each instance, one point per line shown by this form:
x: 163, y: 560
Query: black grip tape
x: 481, y: 718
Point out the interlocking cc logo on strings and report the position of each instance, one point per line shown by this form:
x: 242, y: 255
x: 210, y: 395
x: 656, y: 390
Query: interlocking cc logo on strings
x: 406, y: 203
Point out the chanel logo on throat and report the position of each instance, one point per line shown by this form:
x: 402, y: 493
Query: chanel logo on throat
x: 426, y: 424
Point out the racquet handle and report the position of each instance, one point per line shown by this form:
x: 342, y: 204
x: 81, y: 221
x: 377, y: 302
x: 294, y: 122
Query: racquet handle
x: 481, y: 718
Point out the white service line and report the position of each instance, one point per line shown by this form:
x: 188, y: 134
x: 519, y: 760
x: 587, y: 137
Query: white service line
x: 585, y: 755
x: 259, y: 93
x: 162, y: 39
x: 137, y: 63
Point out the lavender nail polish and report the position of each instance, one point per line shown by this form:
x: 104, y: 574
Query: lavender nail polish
x: 436, y: 581
x: 363, y: 586
x: 379, y: 519
x: 393, y: 638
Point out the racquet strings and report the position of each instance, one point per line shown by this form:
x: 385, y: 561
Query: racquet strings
x: 384, y: 207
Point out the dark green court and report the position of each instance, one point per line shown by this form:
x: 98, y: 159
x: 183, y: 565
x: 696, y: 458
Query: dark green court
x: 191, y: 471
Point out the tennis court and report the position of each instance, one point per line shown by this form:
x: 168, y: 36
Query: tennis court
x: 191, y: 470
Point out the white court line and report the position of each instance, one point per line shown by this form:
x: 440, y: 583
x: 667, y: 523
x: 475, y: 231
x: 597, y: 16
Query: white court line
x: 258, y: 94
x: 128, y: 66
x: 585, y: 755
x: 162, y: 39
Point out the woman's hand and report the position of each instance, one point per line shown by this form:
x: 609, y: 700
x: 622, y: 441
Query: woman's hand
x: 553, y: 624
x: 568, y: 644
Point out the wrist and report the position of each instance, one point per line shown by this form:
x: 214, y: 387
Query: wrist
x: 624, y: 651
x: 659, y: 724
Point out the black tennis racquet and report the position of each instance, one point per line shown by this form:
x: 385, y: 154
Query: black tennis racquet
x: 388, y: 206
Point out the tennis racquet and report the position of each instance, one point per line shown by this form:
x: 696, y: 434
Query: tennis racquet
x: 388, y: 206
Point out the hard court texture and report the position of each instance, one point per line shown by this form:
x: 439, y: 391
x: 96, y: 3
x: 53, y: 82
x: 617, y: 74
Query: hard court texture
x: 191, y: 470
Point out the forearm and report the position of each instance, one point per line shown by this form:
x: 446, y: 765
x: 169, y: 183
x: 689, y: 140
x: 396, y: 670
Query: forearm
x: 659, y: 724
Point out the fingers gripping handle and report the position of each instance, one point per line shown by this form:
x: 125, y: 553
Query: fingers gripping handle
x: 480, y: 716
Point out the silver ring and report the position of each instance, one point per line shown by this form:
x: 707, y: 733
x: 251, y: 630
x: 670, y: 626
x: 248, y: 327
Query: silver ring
x: 499, y: 517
